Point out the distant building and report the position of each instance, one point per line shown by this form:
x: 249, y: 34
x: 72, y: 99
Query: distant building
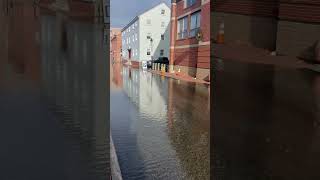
x: 115, y: 44
x: 147, y: 35
x: 190, y: 37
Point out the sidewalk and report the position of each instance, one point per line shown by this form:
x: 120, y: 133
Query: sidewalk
x: 257, y: 55
x: 180, y: 76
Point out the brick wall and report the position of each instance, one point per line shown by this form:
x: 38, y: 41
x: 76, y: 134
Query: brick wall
x: 116, y: 47
x: 295, y: 37
x: 24, y: 40
x: 244, y: 29
x: 189, y: 54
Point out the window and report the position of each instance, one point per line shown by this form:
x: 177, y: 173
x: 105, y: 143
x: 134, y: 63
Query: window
x: 129, y: 28
x: 162, y: 24
x: 136, y: 52
x: 161, y: 52
x: 136, y: 37
x: 136, y: 24
x: 132, y: 38
x: 162, y: 37
x: 189, y: 3
x: 148, y: 52
x: 163, y: 11
x: 194, y: 24
x: 129, y: 39
x: 182, y: 27
x: 148, y: 21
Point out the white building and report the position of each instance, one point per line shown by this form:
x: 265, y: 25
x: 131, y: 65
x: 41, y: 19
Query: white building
x: 147, y: 36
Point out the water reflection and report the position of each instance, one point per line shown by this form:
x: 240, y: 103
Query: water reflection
x: 53, y: 97
x: 266, y: 122
x: 162, y: 129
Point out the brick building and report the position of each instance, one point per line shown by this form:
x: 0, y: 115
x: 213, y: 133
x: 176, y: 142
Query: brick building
x: 288, y: 27
x: 190, y: 37
x: 115, y: 45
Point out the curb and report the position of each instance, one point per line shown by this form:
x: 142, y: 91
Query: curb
x: 174, y: 76
x: 115, y: 168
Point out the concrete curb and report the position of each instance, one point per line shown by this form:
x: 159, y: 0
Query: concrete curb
x: 115, y: 168
x: 181, y: 77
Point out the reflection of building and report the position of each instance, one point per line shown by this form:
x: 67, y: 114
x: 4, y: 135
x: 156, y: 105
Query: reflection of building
x: 289, y: 27
x: 74, y: 76
x: 23, y: 39
x: 147, y: 35
x: 190, y: 37
x: 115, y: 45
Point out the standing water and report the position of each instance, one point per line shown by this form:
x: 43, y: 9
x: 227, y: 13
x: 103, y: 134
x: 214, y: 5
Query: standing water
x: 160, y: 126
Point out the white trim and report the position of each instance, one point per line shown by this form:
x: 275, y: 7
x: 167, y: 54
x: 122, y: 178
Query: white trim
x: 203, y: 2
x: 190, y: 12
x: 191, y: 45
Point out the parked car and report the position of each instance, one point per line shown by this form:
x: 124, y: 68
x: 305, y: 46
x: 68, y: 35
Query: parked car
x: 161, y: 60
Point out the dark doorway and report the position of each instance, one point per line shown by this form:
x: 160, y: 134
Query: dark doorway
x: 129, y: 51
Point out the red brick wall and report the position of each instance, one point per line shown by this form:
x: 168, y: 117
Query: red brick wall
x: 181, y: 10
x: 196, y: 57
x: 301, y: 11
x: 24, y: 50
x: 183, y: 55
x: 116, y: 47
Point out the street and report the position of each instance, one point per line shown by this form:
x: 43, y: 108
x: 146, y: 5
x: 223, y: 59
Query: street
x: 160, y: 126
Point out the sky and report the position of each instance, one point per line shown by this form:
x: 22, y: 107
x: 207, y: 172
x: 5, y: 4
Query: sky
x: 123, y: 11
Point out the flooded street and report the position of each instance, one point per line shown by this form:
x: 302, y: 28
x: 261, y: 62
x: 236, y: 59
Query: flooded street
x: 266, y: 122
x: 160, y: 126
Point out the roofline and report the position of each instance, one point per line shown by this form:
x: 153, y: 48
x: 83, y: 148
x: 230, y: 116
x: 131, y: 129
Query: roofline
x: 131, y: 22
x: 137, y: 17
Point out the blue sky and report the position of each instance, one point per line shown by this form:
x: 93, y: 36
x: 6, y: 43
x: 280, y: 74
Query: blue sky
x: 123, y: 11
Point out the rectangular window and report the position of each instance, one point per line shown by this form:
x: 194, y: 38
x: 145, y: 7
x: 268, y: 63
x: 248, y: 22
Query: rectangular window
x: 182, y: 27
x: 136, y: 37
x: 148, y: 52
x: 161, y: 52
x: 189, y: 3
x: 162, y: 37
x: 162, y: 24
x: 194, y: 24
x: 163, y: 11
x: 148, y: 21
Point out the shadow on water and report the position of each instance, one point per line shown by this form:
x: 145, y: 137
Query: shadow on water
x: 266, y: 122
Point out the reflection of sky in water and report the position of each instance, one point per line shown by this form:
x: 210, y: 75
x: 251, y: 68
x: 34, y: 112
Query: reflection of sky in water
x: 145, y: 138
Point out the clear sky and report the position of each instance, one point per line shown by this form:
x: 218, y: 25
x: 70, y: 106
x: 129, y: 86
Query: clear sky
x: 123, y: 11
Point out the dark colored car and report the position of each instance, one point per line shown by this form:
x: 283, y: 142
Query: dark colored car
x: 161, y: 60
